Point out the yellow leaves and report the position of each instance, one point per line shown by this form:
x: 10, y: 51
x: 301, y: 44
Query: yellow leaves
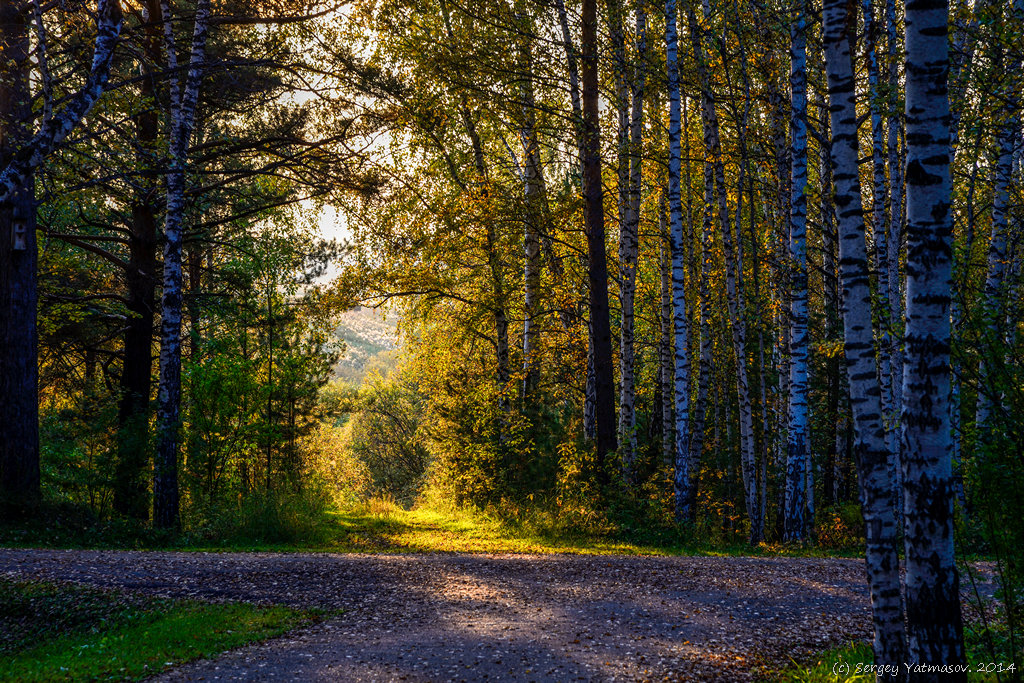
x: 829, y: 348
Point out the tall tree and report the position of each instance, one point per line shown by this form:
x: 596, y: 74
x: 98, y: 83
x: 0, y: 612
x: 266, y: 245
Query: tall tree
x: 880, y: 228
x: 593, y: 218
x: 871, y: 453
x: 21, y: 153
x: 184, y: 99
x: 1008, y: 140
x: 796, y: 481
x: 629, y: 243
x: 934, y: 626
x: 130, y: 478
x: 677, y: 240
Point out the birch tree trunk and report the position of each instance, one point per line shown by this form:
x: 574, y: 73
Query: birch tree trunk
x: 667, y: 365
x: 19, y: 163
x: 879, y: 225
x: 534, y: 214
x: 183, y: 108
x: 871, y: 452
x: 796, y: 480
x: 995, y: 275
x: 895, y: 238
x: 681, y: 373
x: 934, y: 627
x: 628, y: 251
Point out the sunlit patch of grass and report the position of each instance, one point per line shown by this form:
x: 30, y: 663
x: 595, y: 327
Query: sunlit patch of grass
x: 838, y: 665
x: 989, y: 662
x: 381, y: 525
x: 71, y: 633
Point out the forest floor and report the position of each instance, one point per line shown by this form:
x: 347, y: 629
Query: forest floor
x: 453, y: 616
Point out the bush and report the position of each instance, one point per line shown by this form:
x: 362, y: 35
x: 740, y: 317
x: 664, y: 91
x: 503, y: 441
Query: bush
x: 274, y: 518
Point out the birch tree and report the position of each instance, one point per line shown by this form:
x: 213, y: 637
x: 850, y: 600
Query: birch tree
x: 184, y: 96
x: 629, y: 242
x: 681, y: 369
x: 796, y: 481
x: 871, y: 453
x: 1008, y: 140
x: 880, y: 228
x: 934, y: 627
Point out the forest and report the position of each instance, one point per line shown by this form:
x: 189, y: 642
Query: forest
x: 728, y: 275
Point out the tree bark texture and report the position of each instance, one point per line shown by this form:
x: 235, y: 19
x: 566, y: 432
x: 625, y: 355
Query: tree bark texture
x: 934, y: 626
x: 871, y: 453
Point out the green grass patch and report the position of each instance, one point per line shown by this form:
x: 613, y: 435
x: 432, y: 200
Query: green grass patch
x: 382, y: 526
x: 988, y: 656
x: 70, y: 633
x: 838, y: 665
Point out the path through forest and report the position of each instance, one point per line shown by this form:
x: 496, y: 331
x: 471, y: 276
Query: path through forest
x: 499, y: 617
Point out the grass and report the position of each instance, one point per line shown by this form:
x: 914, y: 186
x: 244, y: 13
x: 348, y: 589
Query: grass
x: 380, y: 526
x: 377, y: 527
x: 69, y: 633
x: 988, y: 656
x: 839, y: 665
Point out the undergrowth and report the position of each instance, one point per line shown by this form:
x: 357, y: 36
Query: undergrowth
x: 379, y: 524
x: 71, y: 633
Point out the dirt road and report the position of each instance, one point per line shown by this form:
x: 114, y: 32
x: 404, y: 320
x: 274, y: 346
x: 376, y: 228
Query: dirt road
x: 452, y: 617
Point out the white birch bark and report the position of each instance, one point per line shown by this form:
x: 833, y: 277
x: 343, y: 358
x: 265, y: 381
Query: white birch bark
x: 681, y: 478
x: 667, y: 371
x: 533, y: 215
x: 628, y: 250
x: 934, y: 627
x: 894, y: 161
x: 183, y: 100
x: 880, y: 225
x: 871, y: 453
x: 996, y: 261
x: 797, y: 461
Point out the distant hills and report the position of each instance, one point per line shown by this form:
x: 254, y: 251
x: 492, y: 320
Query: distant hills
x: 371, y: 341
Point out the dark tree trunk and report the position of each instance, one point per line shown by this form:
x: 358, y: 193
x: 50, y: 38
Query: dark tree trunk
x: 130, y: 485
x: 600, y: 324
x: 19, y: 384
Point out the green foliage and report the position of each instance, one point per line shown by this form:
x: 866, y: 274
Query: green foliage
x: 384, y: 435
x: 992, y: 466
x: 840, y: 526
x: 279, y: 518
x: 82, y: 634
x: 77, y: 442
